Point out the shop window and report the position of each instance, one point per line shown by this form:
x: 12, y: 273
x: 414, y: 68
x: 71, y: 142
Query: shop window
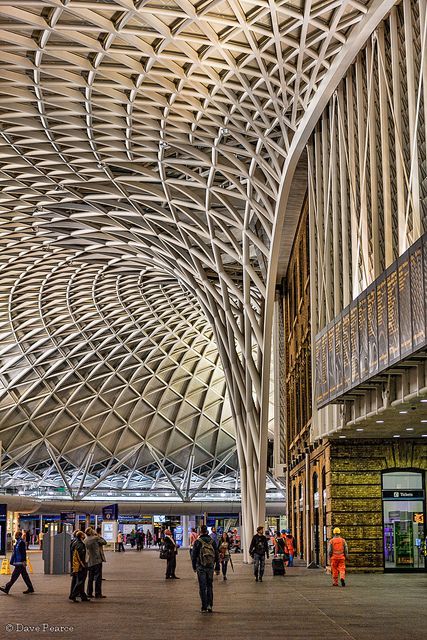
x: 404, y: 517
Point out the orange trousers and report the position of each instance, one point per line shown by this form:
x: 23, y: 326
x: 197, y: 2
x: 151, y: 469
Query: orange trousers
x: 337, y: 567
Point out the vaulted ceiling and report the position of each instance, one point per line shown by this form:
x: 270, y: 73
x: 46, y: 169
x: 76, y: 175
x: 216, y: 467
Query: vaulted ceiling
x: 142, y: 147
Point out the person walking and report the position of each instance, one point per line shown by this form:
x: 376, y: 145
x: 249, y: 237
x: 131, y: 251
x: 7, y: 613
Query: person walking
x: 94, y: 563
x: 290, y: 546
x: 19, y: 561
x: 149, y: 538
x: 204, y: 558
x: 138, y: 538
x: 120, y: 543
x: 338, y: 553
x: 171, y: 552
x: 258, y: 550
x: 224, y: 554
x: 193, y: 537
x: 78, y: 567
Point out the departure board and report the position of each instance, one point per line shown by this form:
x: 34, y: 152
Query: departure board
x: 405, y: 324
x: 346, y: 354
x: 382, y: 322
x: 417, y: 296
x: 372, y: 330
x: 385, y: 324
x: 363, y: 337
x: 338, y: 357
x: 392, y: 315
x: 331, y: 361
x: 354, y: 344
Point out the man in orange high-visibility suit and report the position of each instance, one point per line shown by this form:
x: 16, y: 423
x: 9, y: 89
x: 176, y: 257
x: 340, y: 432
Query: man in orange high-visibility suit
x: 338, y: 552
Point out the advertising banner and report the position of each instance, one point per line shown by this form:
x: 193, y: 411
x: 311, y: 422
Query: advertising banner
x: 111, y: 512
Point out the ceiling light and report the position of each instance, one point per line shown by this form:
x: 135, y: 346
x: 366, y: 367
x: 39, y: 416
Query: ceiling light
x: 403, y: 412
x: 360, y: 429
x: 342, y: 436
x: 425, y: 400
x: 424, y: 435
x: 380, y: 421
x: 423, y: 420
x: 409, y: 428
x: 396, y: 436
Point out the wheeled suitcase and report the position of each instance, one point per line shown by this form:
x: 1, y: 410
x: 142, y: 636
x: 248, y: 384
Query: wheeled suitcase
x: 278, y: 566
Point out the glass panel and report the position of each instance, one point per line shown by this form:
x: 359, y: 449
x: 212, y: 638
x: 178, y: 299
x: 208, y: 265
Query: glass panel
x: 403, y: 534
x: 402, y: 480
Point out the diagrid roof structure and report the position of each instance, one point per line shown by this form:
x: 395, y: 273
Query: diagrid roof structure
x: 161, y: 135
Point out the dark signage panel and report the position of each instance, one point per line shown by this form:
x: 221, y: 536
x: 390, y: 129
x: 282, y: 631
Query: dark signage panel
x: 372, y: 330
x: 331, y: 361
x: 385, y: 324
x: 68, y: 517
x: 403, y: 494
x: 417, y: 296
x: 382, y: 322
x: 393, y: 316
x: 346, y: 354
x: 354, y: 344
x: 363, y: 338
x: 111, y: 512
x: 405, y: 324
x: 324, y: 373
x: 338, y: 357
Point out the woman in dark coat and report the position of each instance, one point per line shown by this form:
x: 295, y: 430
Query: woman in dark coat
x: 78, y: 567
x: 172, y: 549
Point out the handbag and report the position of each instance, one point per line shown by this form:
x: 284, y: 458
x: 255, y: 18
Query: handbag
x: 164, y: 553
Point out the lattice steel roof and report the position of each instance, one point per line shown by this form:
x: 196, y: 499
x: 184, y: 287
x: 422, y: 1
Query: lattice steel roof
x: 143, y: 135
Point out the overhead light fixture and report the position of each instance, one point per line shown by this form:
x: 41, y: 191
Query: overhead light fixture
x: 424, y: 400
x: 360, y: 429
x: 342, y: 436
x: 380, y: 421
x: 409, y: 428
x: 403, y: 412
x: 423, y: 420
x: 396, y: 436
x: 424, y: 435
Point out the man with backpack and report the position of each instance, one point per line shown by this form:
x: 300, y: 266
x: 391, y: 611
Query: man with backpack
x: 204, y: 558
x: 258, y: 550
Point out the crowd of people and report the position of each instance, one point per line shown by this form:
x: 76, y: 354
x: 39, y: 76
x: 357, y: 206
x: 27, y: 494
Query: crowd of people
x: 210, y: 554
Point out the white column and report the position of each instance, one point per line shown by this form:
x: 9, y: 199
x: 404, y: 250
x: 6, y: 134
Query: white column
x: 185, y: 536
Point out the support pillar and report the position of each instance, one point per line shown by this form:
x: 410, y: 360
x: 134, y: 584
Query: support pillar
x: 185, y: 535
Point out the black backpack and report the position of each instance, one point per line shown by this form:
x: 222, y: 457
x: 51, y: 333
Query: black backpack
x: 260, y: 546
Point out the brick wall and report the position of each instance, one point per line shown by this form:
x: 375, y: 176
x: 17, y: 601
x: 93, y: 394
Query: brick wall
x: 354, y: 492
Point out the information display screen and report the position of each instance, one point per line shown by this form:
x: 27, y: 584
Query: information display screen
x: 385, y: 324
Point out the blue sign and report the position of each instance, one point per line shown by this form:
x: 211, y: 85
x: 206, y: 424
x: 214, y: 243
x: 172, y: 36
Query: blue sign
x: 3, y: 526
x: 178, y: 536
x: 111, y: 512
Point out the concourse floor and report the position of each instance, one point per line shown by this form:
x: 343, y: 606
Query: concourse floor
x: 141, y: 604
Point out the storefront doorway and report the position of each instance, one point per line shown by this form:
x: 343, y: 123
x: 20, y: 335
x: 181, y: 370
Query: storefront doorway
x: 403, y: 494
